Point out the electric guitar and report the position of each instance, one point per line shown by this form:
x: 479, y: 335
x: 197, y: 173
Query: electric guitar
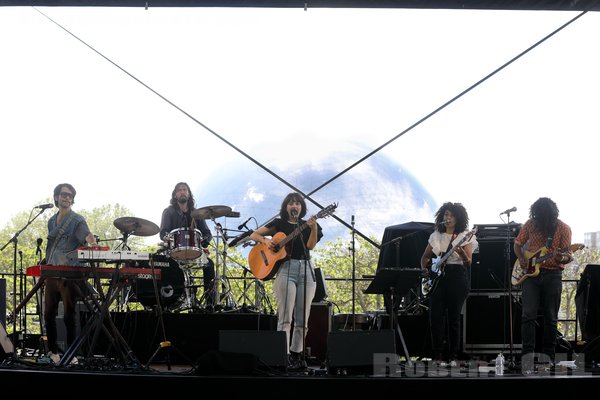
x: 535, y: 260
x: 436, y: 271
x: 264, y: 262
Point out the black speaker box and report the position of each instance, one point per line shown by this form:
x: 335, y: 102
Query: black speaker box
x: 319, y: 326
x: 415, y: 330
x: 357, y: 348
x: 268, y: 346
x: 587, y: 301
x: 487, y: 321
x: 489, y: 270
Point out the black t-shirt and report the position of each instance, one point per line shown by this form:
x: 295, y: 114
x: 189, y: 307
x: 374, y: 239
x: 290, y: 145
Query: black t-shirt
x: 294, y: 247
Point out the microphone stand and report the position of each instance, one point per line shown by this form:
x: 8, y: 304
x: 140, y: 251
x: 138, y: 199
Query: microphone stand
x: 15, y: 241
x: 304, y: 313
x: 353, y: 250
x: 508, y: 275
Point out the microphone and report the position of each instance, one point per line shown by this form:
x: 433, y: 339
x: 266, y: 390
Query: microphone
x: 294, y: 212
x: 44, y: 206
x: 39, y: 244
x: 244, y: 237
x: 509, y: 210
x: 244, y: 224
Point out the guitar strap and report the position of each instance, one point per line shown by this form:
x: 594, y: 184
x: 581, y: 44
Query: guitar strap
x: 454, y: 235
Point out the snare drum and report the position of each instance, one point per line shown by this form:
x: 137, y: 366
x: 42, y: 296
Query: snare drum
x: 184, y: 243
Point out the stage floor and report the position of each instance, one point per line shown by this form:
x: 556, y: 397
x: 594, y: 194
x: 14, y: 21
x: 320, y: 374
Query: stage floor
x: 172, y: 380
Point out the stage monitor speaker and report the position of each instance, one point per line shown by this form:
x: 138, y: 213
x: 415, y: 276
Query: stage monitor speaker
x: 357, y: 348
x: 489, y: 270
x: 268, y: 346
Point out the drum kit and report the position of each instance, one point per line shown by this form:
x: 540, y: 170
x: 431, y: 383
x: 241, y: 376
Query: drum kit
x: 179, y: 254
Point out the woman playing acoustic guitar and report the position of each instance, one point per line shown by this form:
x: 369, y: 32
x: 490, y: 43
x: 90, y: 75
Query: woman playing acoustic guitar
x: 295, y: 278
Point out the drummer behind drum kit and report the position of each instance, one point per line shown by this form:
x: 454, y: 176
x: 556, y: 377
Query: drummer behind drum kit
x: 181, y: 251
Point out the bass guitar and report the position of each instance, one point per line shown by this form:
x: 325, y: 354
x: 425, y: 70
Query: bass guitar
x: 535, y: 260
x: 436, y: 271
x: 264, y: 262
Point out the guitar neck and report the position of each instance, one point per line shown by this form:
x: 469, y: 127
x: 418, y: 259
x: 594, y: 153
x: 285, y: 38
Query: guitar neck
x: 549, y: 255
x: 293, y: 235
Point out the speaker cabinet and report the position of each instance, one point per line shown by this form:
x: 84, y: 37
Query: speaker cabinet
x: 268, y: 346
x: 319, y: 326
x: 487, y: 324
x: 489, y: 270
x: 357, y: 348
x: 587, y: 301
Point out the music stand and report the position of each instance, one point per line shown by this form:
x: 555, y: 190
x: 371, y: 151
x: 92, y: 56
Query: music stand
x: 395, y: 283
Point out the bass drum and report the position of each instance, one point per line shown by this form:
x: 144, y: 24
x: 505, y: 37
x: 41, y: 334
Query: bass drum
x: 170, y: 287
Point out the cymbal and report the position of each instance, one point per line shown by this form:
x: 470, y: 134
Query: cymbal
x: 210, y: 212
x: 136, y: 226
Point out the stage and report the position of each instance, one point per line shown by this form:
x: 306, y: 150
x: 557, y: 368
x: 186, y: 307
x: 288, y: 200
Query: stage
x: 265, y: 383
x: 241, y: 354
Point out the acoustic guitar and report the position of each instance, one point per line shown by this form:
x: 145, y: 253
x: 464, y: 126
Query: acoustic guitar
x: 264, y: 262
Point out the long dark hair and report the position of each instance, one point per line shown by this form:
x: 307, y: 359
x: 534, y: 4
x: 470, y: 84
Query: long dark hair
x: 191, y: 202
x: 544, y: 213
x: 460, y: 214
x: 289, y: 198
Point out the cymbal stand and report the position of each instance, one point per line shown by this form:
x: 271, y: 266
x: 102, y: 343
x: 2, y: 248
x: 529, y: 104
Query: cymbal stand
x: 126, y: 293
x: 221, y: 279
x: 260, y: 295
x: 165, y: 344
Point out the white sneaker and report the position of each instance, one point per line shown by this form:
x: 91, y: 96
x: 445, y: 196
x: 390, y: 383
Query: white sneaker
x: 54, y: 357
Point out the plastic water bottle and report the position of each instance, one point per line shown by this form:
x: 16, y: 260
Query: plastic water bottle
x: 500, y: 364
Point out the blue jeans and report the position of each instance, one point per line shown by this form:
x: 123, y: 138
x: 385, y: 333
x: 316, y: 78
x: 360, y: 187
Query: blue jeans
x: 541, y: 292
x: 289, y: 290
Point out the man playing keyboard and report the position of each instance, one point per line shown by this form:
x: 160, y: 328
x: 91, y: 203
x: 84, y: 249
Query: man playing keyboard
x: 67, y: 230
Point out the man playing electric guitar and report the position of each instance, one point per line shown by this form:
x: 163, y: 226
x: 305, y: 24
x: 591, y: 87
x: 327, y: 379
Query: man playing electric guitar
x: 543, y: 290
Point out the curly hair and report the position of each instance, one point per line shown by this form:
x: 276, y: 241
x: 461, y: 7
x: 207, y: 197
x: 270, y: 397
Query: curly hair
x: 459, y: 212
x: 544, y: 213
x: 294, y: 196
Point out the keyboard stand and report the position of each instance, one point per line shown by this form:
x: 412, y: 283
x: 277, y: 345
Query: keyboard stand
x: 101, y: 321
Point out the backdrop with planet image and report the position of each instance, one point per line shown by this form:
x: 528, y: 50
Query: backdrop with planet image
x: 377, y: 193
